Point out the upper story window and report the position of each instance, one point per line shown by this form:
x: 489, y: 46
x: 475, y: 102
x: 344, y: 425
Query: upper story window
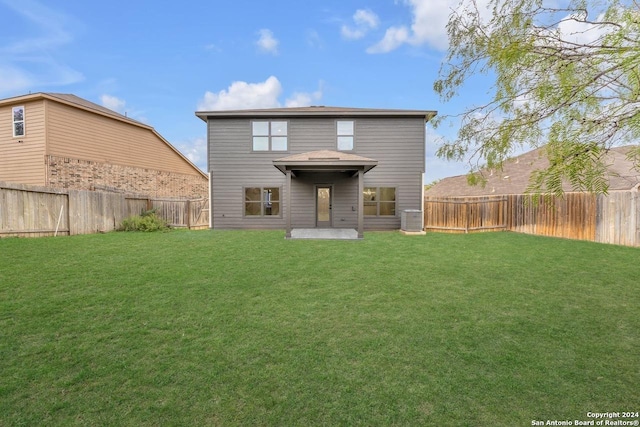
x: 18, y: 121
x: 269, y: 135
x: 345, y: 131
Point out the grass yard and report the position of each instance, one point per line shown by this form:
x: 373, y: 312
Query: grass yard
x: 247, y: 328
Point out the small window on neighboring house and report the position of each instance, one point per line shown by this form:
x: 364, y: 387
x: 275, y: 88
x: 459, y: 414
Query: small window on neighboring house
x: 18, y: 121
x: 269, y: 136
x: 345, y: 135
x: 262, y: 201
x: 379, y: 201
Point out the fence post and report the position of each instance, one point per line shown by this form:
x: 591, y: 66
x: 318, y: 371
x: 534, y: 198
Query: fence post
x: 69, y: 216
x: 188, y: 214
x: 466, y: 228
x: 635, y: 214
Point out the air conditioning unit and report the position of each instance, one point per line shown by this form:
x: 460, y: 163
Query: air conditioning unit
x: 411, y: 220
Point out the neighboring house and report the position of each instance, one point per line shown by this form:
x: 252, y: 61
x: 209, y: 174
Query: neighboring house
x: 62, y: 141
x: 315, y: 167
x: 515, y: 174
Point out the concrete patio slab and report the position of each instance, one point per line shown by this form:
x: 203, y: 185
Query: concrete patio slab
x: 324, y: 233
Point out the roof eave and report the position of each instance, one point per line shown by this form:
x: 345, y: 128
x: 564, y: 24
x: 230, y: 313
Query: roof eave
x: 206, y: 115
x: 115, y: 116
x: 318, y: 166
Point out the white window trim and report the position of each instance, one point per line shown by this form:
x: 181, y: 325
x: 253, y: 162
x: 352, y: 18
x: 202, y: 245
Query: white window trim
x: 13, y: 121
x: 352, y: 135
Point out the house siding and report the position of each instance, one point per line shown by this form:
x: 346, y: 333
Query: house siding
x: 344, y: 199
x: 399, y: 146
x: 234, y: 167
x: 397, y: 143
x: 22, y: 158
x: 75, y: 144
x: 80, y: 134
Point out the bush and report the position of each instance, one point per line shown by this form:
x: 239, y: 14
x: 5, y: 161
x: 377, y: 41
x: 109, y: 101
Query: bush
x: 146, y: 221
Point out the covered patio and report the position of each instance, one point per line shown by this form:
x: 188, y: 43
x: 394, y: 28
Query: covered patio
x: 325, y: 161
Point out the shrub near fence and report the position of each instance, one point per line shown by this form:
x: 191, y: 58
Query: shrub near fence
x: 612, y: 218
x: 32, y: 211
x: 192, y: 214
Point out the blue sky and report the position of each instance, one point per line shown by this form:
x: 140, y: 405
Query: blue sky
x: 161, y: 61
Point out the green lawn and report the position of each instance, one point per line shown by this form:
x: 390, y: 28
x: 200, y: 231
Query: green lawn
x: 247, y: 328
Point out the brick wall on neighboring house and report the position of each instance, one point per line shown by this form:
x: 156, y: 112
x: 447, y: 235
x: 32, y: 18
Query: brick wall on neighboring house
x: 76, y: 174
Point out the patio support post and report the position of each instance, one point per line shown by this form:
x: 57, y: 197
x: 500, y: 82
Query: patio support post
x: 360, y: 204
x: 288, y: 207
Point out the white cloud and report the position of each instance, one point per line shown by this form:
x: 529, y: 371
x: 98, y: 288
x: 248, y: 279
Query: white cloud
x: 267, y: 43
x: 120, y: 106
x: 572, y: 30
x: 30, y: 62
x: 364, y: 20
x: 428, y: 27
x: 242, y: 95
x: 13, y: 79
x: 430, y: 17
x: 304, y: 99
x: 394, y: 37
x: 113, y: 103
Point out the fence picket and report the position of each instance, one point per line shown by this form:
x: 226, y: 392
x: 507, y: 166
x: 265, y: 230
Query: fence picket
x: 612, y: 218
x: 32, y: 211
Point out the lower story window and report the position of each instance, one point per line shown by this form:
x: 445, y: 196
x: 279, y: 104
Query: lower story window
x: 379, y: 201
x: 262, y: 201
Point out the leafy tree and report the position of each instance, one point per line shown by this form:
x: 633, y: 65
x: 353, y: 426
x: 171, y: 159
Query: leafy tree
x: 567, y: 77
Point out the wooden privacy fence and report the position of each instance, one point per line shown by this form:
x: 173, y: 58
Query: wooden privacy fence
x: 465, y: 214
x: 612, y: 218
x: 30, y: 211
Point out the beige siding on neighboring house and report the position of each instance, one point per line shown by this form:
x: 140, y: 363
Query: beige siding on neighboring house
x: 79, y: 134
x: 22, y: 158
x: 72, y: 143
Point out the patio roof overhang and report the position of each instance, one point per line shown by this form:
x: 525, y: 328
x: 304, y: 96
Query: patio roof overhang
x: 325, y: 161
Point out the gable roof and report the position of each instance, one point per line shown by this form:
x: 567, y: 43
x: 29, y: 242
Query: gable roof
x: 316, y: 111
x: 515, y: 174
x: 74, y: 101
x: 80, y: 103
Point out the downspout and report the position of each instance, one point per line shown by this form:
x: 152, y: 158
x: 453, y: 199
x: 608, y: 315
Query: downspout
x: 424, y: 173
x: 210, y: 201
x: 422, y: 203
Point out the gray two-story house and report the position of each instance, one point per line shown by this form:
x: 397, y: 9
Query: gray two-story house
x: 315, y: 167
